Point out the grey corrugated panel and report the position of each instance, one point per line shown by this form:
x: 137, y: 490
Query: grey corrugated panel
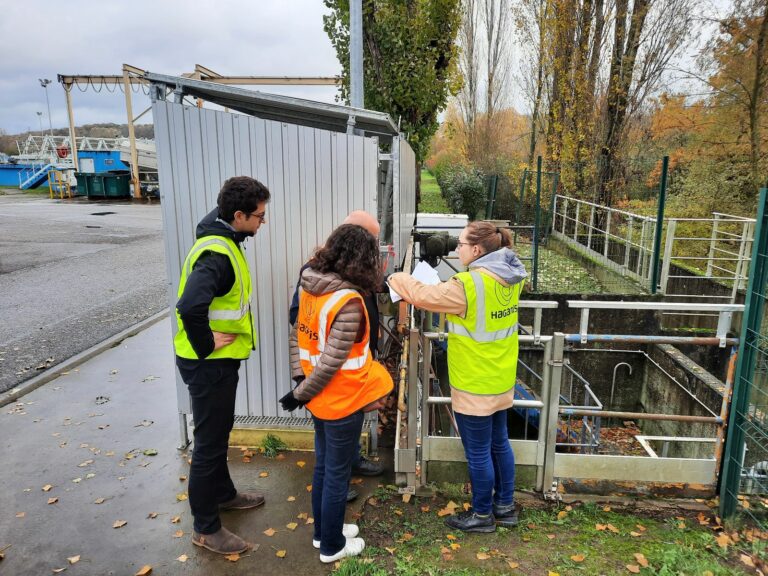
x: 316, y: 177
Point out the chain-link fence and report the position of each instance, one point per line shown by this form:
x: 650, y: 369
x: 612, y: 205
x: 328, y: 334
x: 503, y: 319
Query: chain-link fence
x: 744, y: 479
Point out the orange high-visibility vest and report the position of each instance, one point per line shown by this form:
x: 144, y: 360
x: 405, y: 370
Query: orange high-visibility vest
x: 360, y: 380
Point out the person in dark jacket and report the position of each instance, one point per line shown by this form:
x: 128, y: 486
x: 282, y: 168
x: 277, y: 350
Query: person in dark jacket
x: 361, y: 466
x: 215, y: 332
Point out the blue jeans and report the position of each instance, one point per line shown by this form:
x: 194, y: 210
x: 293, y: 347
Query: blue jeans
x: 490, y: 459
x: 336, y: 447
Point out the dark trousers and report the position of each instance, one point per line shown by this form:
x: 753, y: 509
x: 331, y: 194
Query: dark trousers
x: 490, y: 459
x: 212, y: 387
x: 336, y: 447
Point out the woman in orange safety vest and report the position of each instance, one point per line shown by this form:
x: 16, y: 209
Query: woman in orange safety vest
x: 338, y: 380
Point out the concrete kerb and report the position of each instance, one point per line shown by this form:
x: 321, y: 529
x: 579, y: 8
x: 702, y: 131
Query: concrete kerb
x: 55, y: 371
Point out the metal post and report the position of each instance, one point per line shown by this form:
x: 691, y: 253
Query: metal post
x: 422, y: 447
x: 641, y: 250
x: 131, y: 134
x: 751, y: 323
x: 712, y: 243
x: 491, y: 197
x: 356, y: 53
x: 607, y: 241
x: 565, y: 213
x: 576, y: 222
x: 659, y: 224
x: 739, y: 271
x: 667, y: 262
x: 552, y: 376
x: 536, y: 224
x: 628, y: 244
x: 591, y: 225
x: 413, y: 399
x: 44, y: 83
x: 555, y: 180
x: 72, y: 136
x: 522, y: 194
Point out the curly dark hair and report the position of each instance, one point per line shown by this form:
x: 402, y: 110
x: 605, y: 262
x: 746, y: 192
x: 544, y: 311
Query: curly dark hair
x: 352, y: 253
x: 240, y: 193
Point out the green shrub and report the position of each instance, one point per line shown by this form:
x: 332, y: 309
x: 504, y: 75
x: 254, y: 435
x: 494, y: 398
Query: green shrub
x: 464, y: 189
x: 272, y: 445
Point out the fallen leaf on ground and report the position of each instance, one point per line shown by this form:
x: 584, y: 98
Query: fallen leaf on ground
x: 455, y: 545
x: 407, y: 536
x: 47, y: 488
x: 291, y: 498
x: 390, y: 550
x: 310, y: 520
x: 550, y: 573
x: 466, y: 506
x: 482, y: 556
x: 55, y: 570
x: 99, y: 501
x: 406, y: 498
x: 280, y: 553
x: 183, y: 558
x: 723, y: 540
x: 89, y: 476
x: 152, y: 515
x: 233, y: 557
x: 640, y: 527
x: 175, y: 519
x: 425, y: 508
x: 635, y: 534
x: 641, y: 559
x: 20, y: 514
x: 178, y: 534
x: 746, y: 559
x: 512, y: 565
x: 145, y: 571
x: 399, y: 512
x: 356, y: 480
x: 119, y: 523
x: 578, y: 557
x: 309, y: 487
x: 599, y: 527
x: 263, y: 474
x: 77, y: 480
x: 291, y: 525
x: 182, y: 478
x: 562, y: 514
x: 52, y: 500
x: 551, y: 536
x: 269, y: 531
x: 450, y: 537
x: 606, y: 508
x: 302, y: 516
x: 634, y: 568
x: 181, y: 497
x: 301, y: 463
x: 74, y: 559
x: 150, y: 452
x: 612, y: 528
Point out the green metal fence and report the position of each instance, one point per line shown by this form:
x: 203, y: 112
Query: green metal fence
x: 744, y: 479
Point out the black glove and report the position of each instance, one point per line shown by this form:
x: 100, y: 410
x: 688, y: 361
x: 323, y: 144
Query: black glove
x: 289, y: 401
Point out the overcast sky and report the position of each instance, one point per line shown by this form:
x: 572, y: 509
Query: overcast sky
x: 231, y: 37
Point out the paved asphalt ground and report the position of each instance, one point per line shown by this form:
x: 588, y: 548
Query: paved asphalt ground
x: 71, y: 277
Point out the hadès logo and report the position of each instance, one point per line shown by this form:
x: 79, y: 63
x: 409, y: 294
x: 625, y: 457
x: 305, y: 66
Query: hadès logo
x: 504, y: 294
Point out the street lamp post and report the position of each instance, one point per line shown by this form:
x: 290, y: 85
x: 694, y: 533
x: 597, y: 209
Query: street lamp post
x: 44, y: 83
x: 40, y: 120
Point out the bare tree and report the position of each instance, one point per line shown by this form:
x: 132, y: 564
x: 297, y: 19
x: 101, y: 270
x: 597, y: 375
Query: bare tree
x: 468, y: 65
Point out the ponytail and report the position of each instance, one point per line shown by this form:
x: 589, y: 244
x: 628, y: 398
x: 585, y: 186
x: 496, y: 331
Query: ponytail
x: 489, y: 237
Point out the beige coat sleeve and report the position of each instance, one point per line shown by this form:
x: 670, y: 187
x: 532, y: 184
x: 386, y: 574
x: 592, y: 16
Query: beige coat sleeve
x: 446, y: 297
x: 344, y: 331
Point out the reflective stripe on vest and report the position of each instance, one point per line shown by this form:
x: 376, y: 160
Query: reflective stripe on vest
x: 480, y: 334
x: 351, y: 364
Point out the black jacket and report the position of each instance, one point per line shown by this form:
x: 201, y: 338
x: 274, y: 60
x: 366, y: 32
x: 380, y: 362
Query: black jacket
x: 211, y: 276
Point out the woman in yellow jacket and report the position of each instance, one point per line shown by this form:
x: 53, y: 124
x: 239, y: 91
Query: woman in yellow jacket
x: 481, y: 314
x: 337, y: 378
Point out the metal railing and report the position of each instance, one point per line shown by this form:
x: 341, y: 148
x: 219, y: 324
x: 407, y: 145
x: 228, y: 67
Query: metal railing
x: 713, y: 249
x: 416, y: 446
x: 620, y: 240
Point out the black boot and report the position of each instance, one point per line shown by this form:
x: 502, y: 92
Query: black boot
x: 507, y: 516
x: 471, y: 522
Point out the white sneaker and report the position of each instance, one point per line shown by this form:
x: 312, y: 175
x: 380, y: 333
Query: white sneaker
x: 353, y: 547
x: 349, y: 531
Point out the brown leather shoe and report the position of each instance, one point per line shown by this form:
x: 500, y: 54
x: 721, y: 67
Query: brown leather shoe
x: 221, y: 542
x: 243, y: 501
